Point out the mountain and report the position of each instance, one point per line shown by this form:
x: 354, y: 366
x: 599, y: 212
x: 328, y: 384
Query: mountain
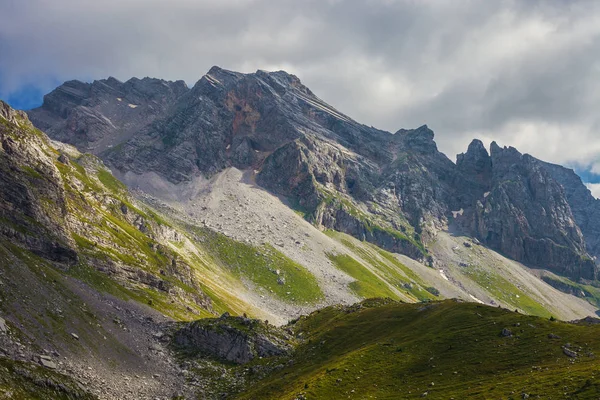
x: 394, y: 190
x: 245, y: 221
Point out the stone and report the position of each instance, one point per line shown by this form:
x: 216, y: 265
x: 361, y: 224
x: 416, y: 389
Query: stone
x: 3, y: 326
x: 569, y: 353
x: 553, y: 336
x: 506, y: 332
x: 224, y: 339
x: 75, y: 336
x: 64, y: 159
x: 534, y: 212
x: 48, y: 363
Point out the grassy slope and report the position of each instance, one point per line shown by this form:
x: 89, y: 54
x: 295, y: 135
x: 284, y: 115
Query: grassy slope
x: 260, y: 265
x: 366, y: 283
x: 492, y: 278
x: 388, y: 268
x: 233, y: 261
x: 448, y: 349
x: 19, y: 380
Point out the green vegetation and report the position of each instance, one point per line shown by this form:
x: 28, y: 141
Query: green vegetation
x: 589, y: 292
x: 504, y: 291
x: 110, y: 182
x: 152, y: 297
x: 31, y: 172
x: 372, y: 223
x: 416, y: 240
x: 396, y: 273
x: 20, y: 380
x: 294, y: 283
x: 385, y: 350
x: 367, y: 284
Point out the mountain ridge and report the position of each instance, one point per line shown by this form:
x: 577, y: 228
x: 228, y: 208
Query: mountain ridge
x: 394, y: 190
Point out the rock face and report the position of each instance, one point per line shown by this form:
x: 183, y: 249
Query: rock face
x: 32, y: 195
x: 234, y: 339
x: 95, y: 116
x: 524, y: 212
x: 394, y: 190
x: 585, y: 207
x: 58, y: 208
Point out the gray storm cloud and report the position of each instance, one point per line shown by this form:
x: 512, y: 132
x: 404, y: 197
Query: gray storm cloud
x: 523, y: 73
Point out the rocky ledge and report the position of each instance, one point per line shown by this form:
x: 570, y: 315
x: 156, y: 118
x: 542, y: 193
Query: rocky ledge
x: 234, y: 339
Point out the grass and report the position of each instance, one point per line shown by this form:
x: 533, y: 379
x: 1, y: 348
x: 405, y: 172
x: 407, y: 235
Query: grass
x: 110, y: 182
x: 589, y: 292
x: 504, y: 291
x: 373, y: 224
x: 396, y: 273
x: 260, y: 265
x: 367, y: 284
x: 387, y: 350
x: 31, y: 172
x: 20, y: 380
x: 157, y: 300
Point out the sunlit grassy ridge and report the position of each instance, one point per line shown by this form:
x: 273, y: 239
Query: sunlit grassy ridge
x: 366, y: 283
x: 388, y: 267
x: 441, y: 350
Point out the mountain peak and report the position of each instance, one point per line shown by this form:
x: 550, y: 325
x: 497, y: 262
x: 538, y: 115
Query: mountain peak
x: 420, y: 139
x: 475, y: 162
x: 13, y: 116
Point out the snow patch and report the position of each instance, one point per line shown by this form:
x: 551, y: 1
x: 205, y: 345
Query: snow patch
x: 120, y: 99
x: 457, y: 213
x: 212, y: 80
x: 476, y: 299
x: 132, y: 105
x: 486, y: 194
x: 323, y: 107
x: 443, y: 274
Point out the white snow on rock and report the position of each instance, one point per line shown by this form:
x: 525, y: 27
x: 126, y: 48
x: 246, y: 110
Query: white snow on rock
x: 457, y: 213
x: 476, y: 299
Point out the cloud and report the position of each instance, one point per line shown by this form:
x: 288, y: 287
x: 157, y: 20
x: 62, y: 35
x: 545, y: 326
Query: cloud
x: 523, y: 73
x: 594, y: 188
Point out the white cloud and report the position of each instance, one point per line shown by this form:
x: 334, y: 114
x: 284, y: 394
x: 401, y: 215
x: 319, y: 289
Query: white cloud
x: 594, y: 188
x: 523, y: 73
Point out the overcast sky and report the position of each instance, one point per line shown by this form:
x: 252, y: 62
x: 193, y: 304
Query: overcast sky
x: 524, y: 73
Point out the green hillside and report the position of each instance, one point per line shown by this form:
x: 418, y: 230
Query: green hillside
x: 387, y: 350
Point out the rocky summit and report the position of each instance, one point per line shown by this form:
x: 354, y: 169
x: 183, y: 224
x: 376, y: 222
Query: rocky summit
x: 244, y: 239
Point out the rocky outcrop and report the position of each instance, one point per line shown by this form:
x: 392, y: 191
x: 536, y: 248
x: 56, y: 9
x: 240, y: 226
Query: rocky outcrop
x: 524, y: 213
x: 99, y: 115
x: 234, y: 339
x: 476, y: 164
x: 32, y: 197
x: 584, y: 206
x: 62, y: 211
